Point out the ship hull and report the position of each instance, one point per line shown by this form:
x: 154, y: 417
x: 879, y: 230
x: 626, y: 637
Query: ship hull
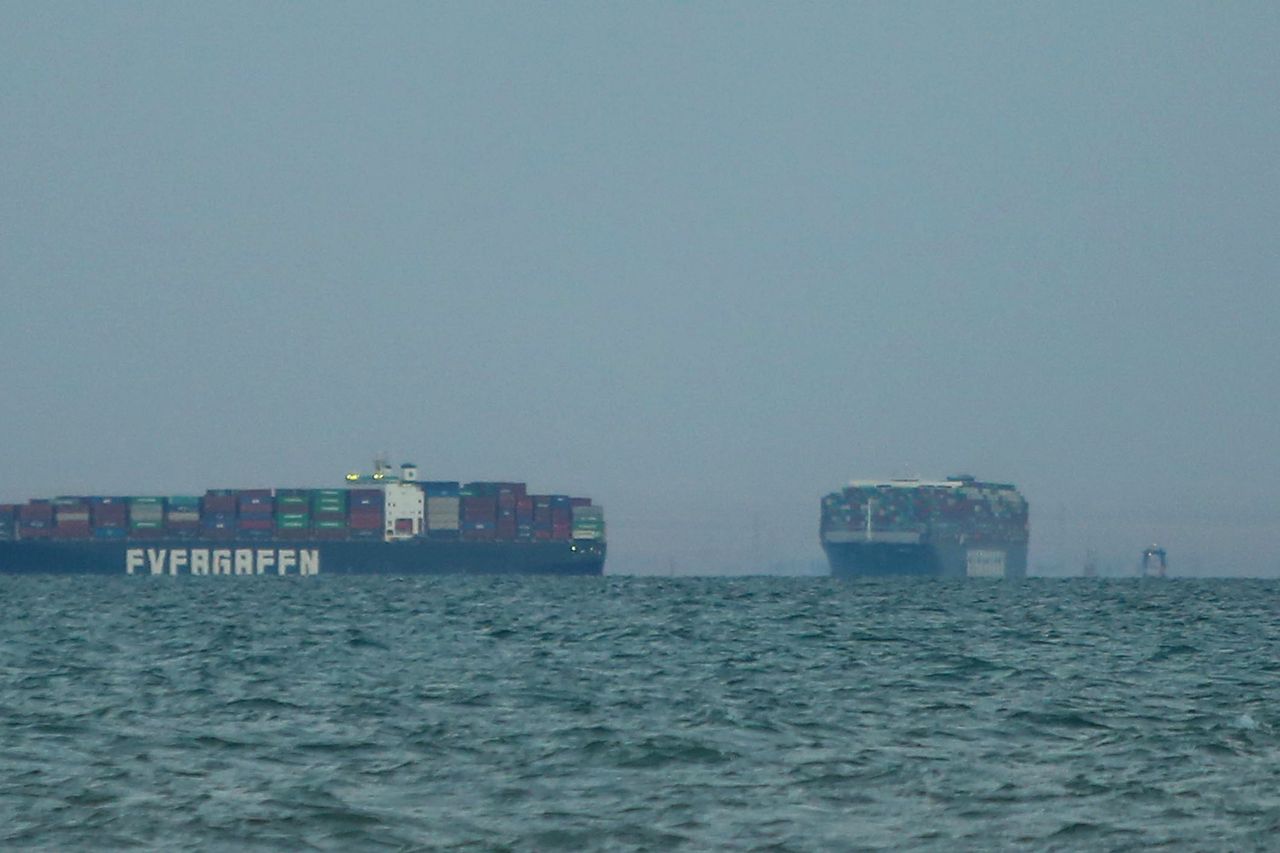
x: 259, y: 557
x: 944, y: 559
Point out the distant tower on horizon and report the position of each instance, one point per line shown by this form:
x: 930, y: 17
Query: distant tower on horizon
x: 1154, y: 558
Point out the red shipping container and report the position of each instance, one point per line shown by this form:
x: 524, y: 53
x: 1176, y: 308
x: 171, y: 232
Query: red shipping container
x: 579, y: 502
x: 36, y: 512
x: 215, y: 504
x: 366, y: 521
x: 108, y: 515
x: 366, y: 498
x: 256, y: 524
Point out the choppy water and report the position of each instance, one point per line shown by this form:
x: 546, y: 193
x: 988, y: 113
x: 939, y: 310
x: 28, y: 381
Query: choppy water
x: 615, y: 713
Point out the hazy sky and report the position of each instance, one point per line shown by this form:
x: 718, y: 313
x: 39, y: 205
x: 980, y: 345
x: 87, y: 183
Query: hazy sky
x: 701, y: 261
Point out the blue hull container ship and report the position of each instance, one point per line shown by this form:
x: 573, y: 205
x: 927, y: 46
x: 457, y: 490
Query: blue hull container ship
x: 957, y: 527
x: 384, y: 523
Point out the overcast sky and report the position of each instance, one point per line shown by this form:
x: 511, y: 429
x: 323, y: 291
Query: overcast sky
x: 703, y: 262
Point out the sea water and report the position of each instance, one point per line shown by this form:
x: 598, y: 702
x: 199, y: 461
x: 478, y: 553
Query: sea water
x: 638, y: 713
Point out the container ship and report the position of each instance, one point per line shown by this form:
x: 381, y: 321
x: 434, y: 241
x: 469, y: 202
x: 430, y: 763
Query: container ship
x: 957, y: 527
x: 381, y: 523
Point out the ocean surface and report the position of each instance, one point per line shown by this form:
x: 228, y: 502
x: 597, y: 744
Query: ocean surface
x: 638, y: 714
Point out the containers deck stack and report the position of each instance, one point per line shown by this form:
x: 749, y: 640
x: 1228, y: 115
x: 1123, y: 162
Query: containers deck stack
x: 957, y: 527
x: 383, y: 524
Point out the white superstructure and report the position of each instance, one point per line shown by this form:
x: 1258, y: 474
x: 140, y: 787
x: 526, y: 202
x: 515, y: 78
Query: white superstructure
x: 405, y: 508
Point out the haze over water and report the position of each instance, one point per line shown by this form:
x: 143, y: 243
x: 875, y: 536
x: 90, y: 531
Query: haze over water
x: 702, y: 262
x: 627, y: 713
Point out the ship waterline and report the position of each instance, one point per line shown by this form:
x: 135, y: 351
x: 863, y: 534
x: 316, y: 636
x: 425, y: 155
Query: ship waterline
x: 385, y: 523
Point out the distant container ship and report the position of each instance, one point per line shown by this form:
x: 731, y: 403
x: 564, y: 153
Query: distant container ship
x: 957, y: 527
x: 383, y: 523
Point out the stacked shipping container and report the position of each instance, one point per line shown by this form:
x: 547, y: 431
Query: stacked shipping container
x: 218, y: 513
x: 35, y: 520
x: 146, y: 517
x: 365, y: 514
x: 476, y: 512
x: 329, y: 513
x: 71, y: 518
x: 109, y: 517
x: 255, y: 514
x: 444, y: 509
x: 960, y: 505
x: 479, y: 512
x: 293, y: 514
x: 182, y: 516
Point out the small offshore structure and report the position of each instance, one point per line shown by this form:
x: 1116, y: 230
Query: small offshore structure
x: 1155, y: 562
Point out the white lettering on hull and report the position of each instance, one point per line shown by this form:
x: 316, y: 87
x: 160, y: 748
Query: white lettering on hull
x: 222, y: 561
x: 984, y: 563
